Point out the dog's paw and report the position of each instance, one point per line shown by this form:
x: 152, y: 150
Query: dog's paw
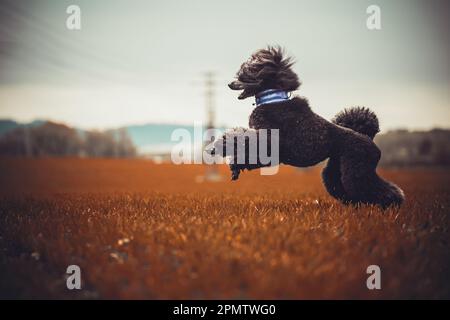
x: 217, y: 148
x: 235, y: 171
x: 230, y: 140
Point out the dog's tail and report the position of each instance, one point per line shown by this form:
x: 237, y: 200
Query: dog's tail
x: 358, y: 119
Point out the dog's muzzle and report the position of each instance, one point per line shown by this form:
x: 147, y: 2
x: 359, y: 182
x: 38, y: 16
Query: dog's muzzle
x: 235, y: 85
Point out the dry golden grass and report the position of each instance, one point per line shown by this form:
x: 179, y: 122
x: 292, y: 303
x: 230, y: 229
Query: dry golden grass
x: 141, y: 230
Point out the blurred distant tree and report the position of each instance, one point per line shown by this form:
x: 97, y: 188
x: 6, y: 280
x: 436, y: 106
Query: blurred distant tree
x: 404, y: 148
x: 47, y: 139
x: 112, y: 143
x: 425, y: 147
x: 126, y: 148
x: 99, y: 144
x: 13, y: 143
x: 54, y: 139
x: 442, y: 156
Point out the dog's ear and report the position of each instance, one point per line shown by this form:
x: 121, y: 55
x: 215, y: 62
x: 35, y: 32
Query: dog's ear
x: 267, y: 72
x: 284, y: 76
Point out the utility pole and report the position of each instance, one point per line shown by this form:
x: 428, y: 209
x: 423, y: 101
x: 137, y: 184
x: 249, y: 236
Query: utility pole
x: 210, y: 114
x: 212, y: 172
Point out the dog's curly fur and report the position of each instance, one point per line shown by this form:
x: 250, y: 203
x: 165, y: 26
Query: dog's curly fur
x: 307, y: 139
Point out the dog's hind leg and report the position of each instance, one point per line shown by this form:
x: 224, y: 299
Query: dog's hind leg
x: 360, y: 180
x: 331, y: 176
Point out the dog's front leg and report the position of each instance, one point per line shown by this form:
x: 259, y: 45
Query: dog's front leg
x: 248, y: 149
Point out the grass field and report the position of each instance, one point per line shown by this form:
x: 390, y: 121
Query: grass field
x: 143, y: 230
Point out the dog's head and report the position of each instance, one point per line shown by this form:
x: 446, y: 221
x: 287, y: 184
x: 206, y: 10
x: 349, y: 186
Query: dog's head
x: 266, y: 69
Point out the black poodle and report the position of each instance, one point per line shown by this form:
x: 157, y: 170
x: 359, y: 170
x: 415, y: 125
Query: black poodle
x: 305, y: 138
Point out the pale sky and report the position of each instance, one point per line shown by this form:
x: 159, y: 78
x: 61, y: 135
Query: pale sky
x: 137, y: 62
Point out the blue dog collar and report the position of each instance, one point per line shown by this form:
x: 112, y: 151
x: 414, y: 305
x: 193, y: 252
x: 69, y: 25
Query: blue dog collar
x: 271, y: 96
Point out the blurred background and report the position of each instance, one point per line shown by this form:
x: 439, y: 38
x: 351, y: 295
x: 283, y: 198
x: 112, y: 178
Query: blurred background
x: 137, y: 70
